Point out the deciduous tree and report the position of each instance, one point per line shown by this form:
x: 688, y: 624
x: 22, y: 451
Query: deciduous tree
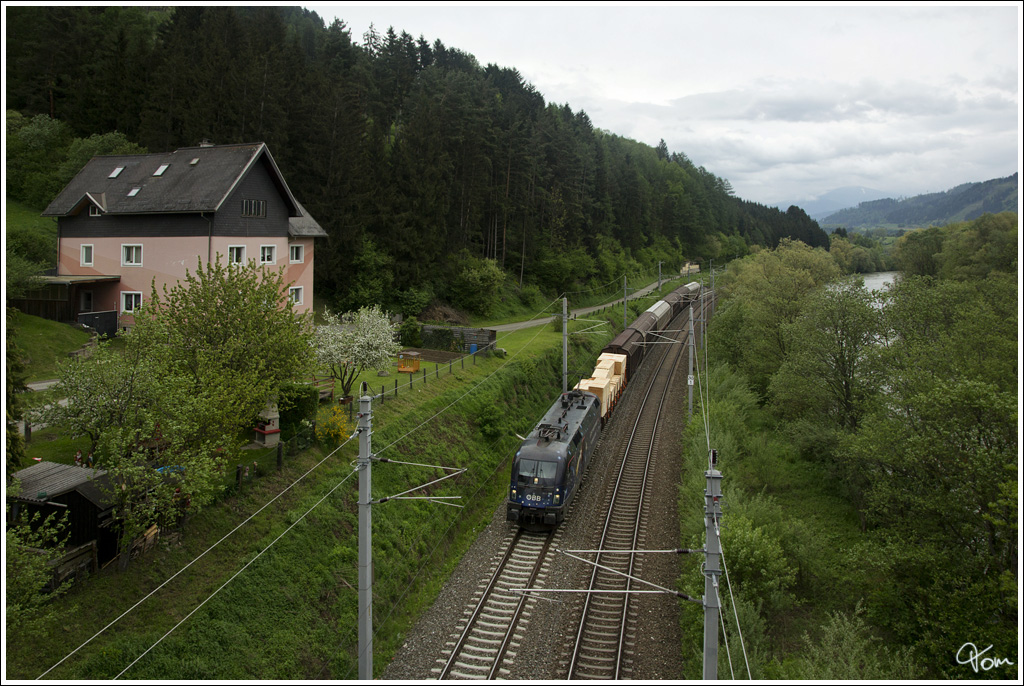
x: 169, y: 409
x: 825, y: 375
x: 349, y: 343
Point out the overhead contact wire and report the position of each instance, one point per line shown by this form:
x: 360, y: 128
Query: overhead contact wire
x: 732, y: 601
x: 233, y: 576
x: 197, y: 558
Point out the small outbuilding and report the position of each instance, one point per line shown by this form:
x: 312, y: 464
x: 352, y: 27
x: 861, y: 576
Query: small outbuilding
x: 408, y: 361
x: 54, y: 488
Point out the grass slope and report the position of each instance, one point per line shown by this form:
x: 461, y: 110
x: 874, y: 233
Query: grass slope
x: 291, y: 611
x: 43, y: 343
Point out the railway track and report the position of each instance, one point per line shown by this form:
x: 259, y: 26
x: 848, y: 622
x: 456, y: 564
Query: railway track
x: 602, y: 648
x: 486, y: 642
x: 488, y: 637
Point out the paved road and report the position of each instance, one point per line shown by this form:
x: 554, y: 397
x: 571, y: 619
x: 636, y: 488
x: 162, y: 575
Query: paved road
x: 578, y: 312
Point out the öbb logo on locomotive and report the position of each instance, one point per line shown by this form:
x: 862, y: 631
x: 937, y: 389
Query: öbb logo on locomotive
x: 551, y: 461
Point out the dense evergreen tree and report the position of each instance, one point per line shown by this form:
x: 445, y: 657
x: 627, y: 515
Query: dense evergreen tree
x: 406, y: 151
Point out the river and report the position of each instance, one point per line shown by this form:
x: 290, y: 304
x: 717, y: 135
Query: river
x: 879, y: 281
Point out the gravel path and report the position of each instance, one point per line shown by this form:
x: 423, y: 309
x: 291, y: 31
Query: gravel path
x: 544, y: 650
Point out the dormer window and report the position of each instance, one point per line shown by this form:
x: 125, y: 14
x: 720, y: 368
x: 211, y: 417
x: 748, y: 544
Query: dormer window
x: 117, y: 170
x: 94, y: 211
x: 161, y: 170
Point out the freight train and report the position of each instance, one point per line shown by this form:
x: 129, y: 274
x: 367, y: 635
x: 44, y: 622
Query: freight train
x: 551, y: 461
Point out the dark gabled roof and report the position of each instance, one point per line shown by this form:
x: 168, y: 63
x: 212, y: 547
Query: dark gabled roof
x: 196, y: 179
x: 47, y: 480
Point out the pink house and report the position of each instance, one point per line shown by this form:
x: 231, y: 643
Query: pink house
x: 127, y: 220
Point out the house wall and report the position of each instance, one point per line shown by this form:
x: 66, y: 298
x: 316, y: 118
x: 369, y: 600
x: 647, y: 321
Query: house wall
x: 174, y: 243
x: 301, y: 274
x: 127, y: 225
x: 165, y: 261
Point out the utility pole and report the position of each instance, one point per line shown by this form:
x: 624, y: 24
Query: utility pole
x: 689, y: 378
x: 625, y: 294
x: 565, y: 345
x: 365, y: 547
x: 659, y: 278
x: 712, y: 571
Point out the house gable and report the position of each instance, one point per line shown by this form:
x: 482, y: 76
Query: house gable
x: 256, y: 205
x: 148, y: 219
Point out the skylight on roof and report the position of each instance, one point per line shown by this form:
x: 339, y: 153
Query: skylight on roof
x: 133, y: 192
x: 117, y: 170
x: 161, y: 170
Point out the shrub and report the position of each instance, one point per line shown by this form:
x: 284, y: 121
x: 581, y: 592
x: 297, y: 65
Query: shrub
x: 296, y: 402
x: 411, y: 333
x: 333, y: 425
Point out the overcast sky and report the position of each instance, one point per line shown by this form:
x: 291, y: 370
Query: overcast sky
x: 785, y: 102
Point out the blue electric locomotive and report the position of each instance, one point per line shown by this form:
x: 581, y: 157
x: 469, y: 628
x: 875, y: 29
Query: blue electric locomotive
x: 550, y: 463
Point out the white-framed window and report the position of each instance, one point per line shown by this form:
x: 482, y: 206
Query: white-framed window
x: 130, y: 300
x: 236, y: 254
x: 295, y: 294
x: 95, y: 211
x: 160, y: 171
x: 86, y: 255
x: 296, y: 253
x: 268, y: 254
x: 117, y: 170
x: 131, y: 255
x: 254, y: 208
x: 134, y: 191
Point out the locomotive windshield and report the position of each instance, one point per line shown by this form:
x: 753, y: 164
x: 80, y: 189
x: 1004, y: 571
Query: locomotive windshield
x: 537, y: 473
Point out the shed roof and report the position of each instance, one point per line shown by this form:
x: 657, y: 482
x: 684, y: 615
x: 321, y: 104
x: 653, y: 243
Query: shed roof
x: 304, y: 226
x: 47, y: 480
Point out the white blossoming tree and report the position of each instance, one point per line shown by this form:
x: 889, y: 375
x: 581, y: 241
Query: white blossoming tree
x: 347, y: 344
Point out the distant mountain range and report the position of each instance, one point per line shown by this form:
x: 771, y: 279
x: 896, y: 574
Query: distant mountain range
x: 962, y: 203
x: 835, y: 200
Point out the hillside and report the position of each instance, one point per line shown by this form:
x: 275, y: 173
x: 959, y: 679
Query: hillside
x: 962, y: 203
x: 436, y: 178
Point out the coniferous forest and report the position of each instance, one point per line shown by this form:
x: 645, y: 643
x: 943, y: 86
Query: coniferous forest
x: 436, y: 178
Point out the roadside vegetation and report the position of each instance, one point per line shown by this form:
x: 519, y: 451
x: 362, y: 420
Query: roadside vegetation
x: 868, y: 443
x: 299, y: 597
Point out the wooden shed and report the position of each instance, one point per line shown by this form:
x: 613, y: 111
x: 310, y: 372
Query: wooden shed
x: 53, y: 488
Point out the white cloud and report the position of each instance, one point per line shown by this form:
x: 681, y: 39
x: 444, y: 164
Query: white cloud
x: 786, y: 102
